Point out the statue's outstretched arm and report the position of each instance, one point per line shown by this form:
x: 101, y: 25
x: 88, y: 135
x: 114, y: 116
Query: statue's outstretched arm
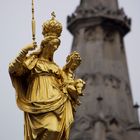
x: 16, y: 67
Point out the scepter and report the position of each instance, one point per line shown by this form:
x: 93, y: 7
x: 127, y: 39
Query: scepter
x: 33, y: 25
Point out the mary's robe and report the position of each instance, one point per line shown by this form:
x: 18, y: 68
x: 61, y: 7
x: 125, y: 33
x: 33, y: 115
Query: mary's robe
x: 47, y: 110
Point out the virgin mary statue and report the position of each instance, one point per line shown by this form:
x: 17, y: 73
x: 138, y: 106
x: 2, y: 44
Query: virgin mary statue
x: 38, y: 81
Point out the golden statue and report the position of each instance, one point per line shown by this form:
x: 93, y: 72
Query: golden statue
x: 46, y: 93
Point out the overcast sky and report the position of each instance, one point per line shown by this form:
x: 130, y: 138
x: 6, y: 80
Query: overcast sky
x: 15, y: 32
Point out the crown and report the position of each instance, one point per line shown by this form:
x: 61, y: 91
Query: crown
x: 52, y: 27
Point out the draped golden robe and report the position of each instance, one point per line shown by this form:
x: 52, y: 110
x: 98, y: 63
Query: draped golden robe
x: 47, y: 110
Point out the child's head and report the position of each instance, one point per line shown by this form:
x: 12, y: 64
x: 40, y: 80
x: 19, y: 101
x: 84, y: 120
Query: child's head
x: 73, y: 60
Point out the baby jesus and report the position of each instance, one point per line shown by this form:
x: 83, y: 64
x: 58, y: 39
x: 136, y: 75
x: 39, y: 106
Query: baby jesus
x: 72, y: 87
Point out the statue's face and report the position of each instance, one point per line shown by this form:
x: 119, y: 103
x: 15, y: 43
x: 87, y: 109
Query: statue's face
x: 74, y: 65
x: 51, y: 45
x: 54, y: 44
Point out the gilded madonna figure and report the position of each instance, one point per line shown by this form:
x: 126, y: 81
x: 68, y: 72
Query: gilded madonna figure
x: 40, y: 87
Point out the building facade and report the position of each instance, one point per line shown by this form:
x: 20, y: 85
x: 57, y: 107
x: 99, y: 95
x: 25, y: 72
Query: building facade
x: 107, y: 111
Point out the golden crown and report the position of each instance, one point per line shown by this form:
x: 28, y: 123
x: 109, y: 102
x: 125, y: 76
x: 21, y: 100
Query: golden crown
x: 52, y: 27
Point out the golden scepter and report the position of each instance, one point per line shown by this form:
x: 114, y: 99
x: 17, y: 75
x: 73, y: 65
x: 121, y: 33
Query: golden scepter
x: 33, y: 25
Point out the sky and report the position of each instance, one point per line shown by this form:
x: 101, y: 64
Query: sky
x: 15, y: 33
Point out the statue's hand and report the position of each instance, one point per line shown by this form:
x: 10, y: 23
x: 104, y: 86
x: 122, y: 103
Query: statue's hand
x: 80, y: 85
x: 30, y: 47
